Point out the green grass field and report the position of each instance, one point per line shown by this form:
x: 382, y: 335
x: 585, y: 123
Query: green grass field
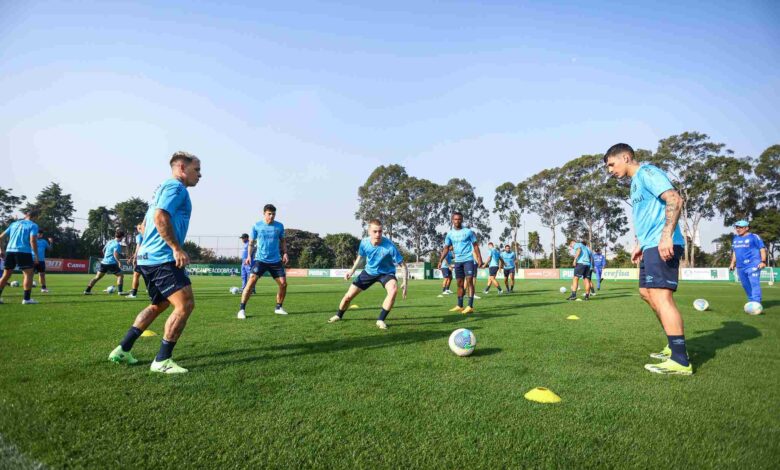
x: 294, y: 391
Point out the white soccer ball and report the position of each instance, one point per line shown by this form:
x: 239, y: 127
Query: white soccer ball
x: 563, y: 290
x: 234, y: 290
x: 35, y: 284
x: 754, y: 308
x: 701, y: 305
x: 14, y: 284
x: 463, y: 342
x: 110, y: 289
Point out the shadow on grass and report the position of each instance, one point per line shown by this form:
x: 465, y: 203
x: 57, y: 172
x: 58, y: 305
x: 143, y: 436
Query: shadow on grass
x: 770, y: 303
x: 378, y: 341
x: 485, y: 352
x: 704, y: 348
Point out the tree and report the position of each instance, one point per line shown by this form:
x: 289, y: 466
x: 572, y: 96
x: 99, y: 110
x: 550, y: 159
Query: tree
x: 510, y: 202
x: 55, y: 208
x: 766, y: 223
x: 315, y: 254
x: 622, y: 258
x: 535, y: 247
x: 8, y: 204
x: 732, y: 189
x: 100, y: 229
x: 382, y: 197
x: 298, y: 241
x: 685, y: 158
x: 344, y: 247
x: 546, y: 199
x: 768, y: 172
x: 422, y: 215
x: 130, y: 213
x: 461, y: 196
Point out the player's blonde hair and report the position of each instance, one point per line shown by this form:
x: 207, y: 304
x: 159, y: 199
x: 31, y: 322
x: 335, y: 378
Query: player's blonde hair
x: 375, y: 222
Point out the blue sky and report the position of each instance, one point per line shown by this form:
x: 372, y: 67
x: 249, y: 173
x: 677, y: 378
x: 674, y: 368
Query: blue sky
x: 295, y: 103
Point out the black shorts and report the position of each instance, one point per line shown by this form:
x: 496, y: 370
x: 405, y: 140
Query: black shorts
x: 493, y: 270
x: 446, y: 273
x: 582, y: 271
x: 276, y: 269
x: 162, y: 280
x: 40, y: 267
x: 655, y: 273
x: 18, y: 260
x: 509, y: 271
x: 365, y: 280
x: 137, y: 269
x: 114, y: 269
x: 465, y: 269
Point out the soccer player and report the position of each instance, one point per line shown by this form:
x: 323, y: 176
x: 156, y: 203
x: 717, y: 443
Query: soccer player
x: 246, y: 269
x: 507, y: 262
x: 110, y: 263
x: 269, y: 235
x: 40, y: 267
x: 446, y: 274
x: 656, y: 207
x: 599, y: 263
x: 582, y: 269
x: 22, y: 250
x: 463, y: 243
x: 139, y: 238
x: 381, y: 257
x: 162, y: 261
x: 493, y: 261
x: 748, y: 256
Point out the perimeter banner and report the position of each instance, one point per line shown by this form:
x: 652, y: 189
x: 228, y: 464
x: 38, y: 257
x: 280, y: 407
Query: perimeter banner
x: 618, y: 274
x: 541, y: 274
x: 64, y: 265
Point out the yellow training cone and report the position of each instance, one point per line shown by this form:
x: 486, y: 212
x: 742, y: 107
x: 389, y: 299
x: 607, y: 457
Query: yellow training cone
x: 148, y: 333
x: 542, y: 395
x: 572, y: 317
x: 354, y: 306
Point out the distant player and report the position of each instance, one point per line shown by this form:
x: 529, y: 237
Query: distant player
x: 656, y: 207
x: 381, y: 257
x: 748, y: 257
x: 139, y: 238
x: 22, y: 252
x: 582, y: 269
x: 270, y: 257
x: 508, y: 264
x: 493, y: 261
x: 111, y: 263
x: 599, y: 263
x: 446, y: 274
x: 246, y: 269
x: 162, y: 261
x: 40, y: 267
x: 463, y: 243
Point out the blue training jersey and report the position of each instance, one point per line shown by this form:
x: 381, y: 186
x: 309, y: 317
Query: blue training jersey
x: 599, y: 261
x: 493, y: 256
x: 19, y: 234
x: 462, y: 243
x: 269, y: 237
x: 648, y: 209
x: 508, y: 257
x: 447, y: 263
x: 172, y: 197
x: 108, y: 251
x: 380, y: 259
x: 584, y: 257
x: 747, y: 250
x: 43, y: 245
x: 139, y: 239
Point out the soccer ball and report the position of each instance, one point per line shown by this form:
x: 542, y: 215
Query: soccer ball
x: 14, y: 284
x: 754, y: 308
x: 110, y: 289
x: 463, y: 342
x: 234, y: 290
x: 701, y: 305
x: 562, y: 290
x: 35, y: 284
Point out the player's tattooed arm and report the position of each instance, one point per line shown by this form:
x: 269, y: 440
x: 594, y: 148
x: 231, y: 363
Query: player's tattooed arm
x: 162, y: 220
x: 672, y: 213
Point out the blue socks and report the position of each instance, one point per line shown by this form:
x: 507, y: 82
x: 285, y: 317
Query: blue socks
x: 242, y: 306
x: 340, y: 313
x: 679, y: 352
x: 383, y: 314
x: 27, y: 294
x: 132, y: 334
x: 460, y: 301
x: 471, y: 301
x: 166, y: 350
x: 278, y: 306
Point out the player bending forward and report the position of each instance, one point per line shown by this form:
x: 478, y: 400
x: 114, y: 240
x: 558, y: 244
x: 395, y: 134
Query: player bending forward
x: 381, y: 257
